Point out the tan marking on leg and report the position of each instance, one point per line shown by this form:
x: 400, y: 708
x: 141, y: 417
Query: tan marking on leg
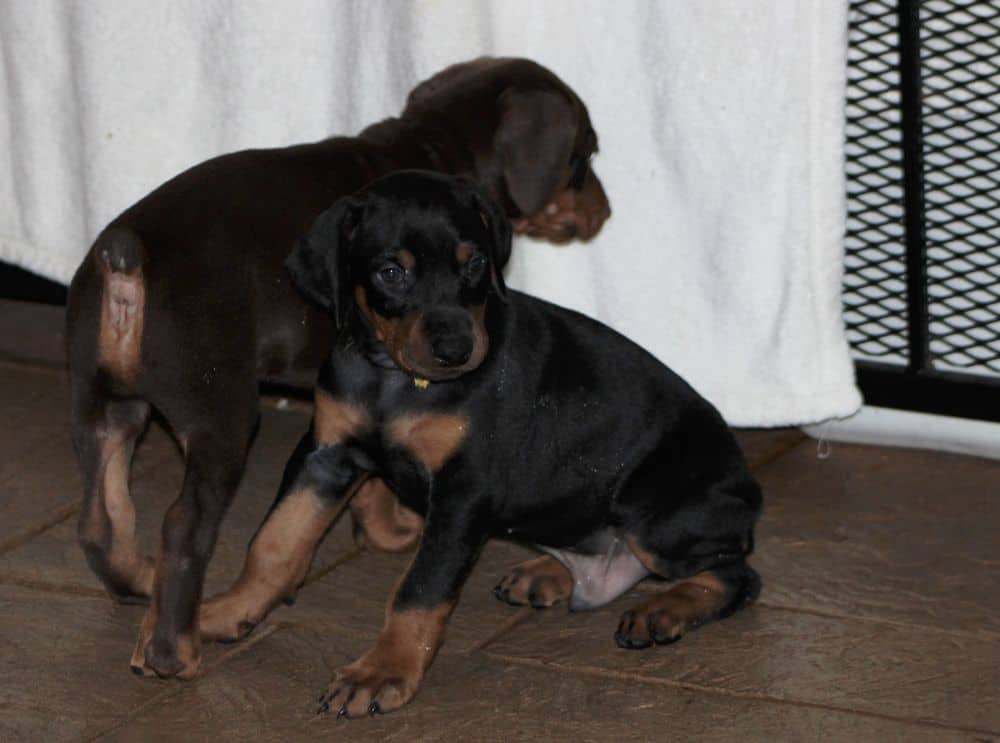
x: 431, y: 437
x: 381, y: 522
x: 188, y: 648
x: 539, y: 582
x: 107, y: 526
x: 665, y: 617
x: 138, y: 661
x: 648, y: 559
x: 123, y: 305
x: 124, y: 555
x: 337, y: 420
x: 275, y: 567
x: 389, y: 674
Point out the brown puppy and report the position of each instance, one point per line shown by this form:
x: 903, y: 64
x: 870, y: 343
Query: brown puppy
x: 183, y: 304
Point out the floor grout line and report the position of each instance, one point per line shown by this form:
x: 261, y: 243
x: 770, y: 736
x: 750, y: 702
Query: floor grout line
x: 518, y: 618
x: 57, y: 517
x: 339, y: 560
x: 23, y: 363
x: 971, y: 634
x: 729, y: 693
x: 71, y: 589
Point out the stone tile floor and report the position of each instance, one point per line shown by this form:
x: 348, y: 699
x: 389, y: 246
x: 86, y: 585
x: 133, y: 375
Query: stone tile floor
x: 878, y: 620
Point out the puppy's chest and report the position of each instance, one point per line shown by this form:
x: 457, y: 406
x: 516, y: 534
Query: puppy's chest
x: 390, y: 422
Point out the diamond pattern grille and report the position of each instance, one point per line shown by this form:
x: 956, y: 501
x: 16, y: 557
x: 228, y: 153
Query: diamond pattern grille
x: 875, y: 270
x: 960, y: 78
x: 960, y: 61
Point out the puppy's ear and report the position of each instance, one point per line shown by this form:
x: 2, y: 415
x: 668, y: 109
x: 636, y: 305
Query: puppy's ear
x: 319, y: 264
x: 534, y: 140
x: 500, y: 233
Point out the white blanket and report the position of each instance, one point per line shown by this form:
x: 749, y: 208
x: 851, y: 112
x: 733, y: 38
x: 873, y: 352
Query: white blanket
x: 720, y: 126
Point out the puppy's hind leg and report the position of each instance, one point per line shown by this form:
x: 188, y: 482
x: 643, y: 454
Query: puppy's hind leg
x: 105, y: 433
x: 104, y: 343
x: 696, y: 532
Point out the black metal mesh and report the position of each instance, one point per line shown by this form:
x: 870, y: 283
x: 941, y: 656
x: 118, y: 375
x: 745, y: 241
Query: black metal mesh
x: 960, y: 70
x: 875, y: 273
x: 960, y: 109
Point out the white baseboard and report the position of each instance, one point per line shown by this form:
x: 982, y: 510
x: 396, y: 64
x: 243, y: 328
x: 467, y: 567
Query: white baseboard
x: 888, y: 427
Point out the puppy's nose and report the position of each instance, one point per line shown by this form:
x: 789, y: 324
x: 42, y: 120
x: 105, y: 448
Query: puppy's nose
x: 452, y: 350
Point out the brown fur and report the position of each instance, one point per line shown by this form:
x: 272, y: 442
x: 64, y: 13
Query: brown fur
x: 387, y: 676
x: 431, y: 438
x: 666, y: 616
x: 539, y: 582
x: 394, y: 332
x: 122, y: 316
x: 276, y: 565
x: 381, y: 522
x: 337, y: 420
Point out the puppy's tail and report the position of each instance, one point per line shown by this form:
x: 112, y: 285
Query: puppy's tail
x: 120, y: 255
x: 120, y: 250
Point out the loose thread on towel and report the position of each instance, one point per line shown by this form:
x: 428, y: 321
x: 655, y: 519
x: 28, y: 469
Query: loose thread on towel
x: 823, y: 445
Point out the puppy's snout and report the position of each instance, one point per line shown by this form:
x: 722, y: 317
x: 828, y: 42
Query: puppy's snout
x: 449, y: 333
x: 452, y: 351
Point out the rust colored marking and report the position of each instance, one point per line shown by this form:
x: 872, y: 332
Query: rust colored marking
x: 390, y: 673
x: 648, y: 559
x: 337, y: 420
x: 381, y: 521
x: 431, y: 437
x: 406, y: 259
x: 107, y: 524
x: 138, y: 661
x: 666, y: 616
x: 463, y: 251
x: 392, y: 331
x: 188, y: 647
x: 275, y: 567
x: 127, y: 563
x: 123, y: 304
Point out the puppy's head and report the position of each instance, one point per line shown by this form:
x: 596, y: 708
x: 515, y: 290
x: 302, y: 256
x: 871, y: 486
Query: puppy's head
x: 416, y: 255
x: 541, y: 142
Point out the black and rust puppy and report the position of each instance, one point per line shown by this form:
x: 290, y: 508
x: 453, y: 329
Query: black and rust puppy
x: 183, y: 304
x: 492, y: 414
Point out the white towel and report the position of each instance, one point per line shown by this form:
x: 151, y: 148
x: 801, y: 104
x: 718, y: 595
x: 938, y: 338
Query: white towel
x: 720, y: 126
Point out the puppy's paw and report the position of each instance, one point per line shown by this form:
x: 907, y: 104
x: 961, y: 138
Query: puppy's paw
x: 155, y: 656
x: 638, y: 629
x: 225, y: 620
x: 540, y: 583
x: 370, y: 686
x: 665, y: 617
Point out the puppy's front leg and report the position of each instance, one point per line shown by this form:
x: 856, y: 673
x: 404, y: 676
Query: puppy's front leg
x: 319, y: 481
x: 387, y: 676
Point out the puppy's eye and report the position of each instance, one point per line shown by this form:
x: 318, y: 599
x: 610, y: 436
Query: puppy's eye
x: 391, y: 273
x: 476, y: 263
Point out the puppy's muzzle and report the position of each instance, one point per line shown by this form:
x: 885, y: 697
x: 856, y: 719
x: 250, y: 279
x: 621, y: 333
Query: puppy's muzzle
x: 449, y: 335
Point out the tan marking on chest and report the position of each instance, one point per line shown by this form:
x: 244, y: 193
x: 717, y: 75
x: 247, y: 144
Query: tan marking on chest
x: 337, y: 420
x: 432, y: 438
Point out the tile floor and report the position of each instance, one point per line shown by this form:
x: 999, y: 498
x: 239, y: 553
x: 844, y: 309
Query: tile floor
x: 879, y: 619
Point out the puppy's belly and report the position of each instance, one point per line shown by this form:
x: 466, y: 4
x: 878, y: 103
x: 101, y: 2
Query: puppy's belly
x: 603, y: 568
